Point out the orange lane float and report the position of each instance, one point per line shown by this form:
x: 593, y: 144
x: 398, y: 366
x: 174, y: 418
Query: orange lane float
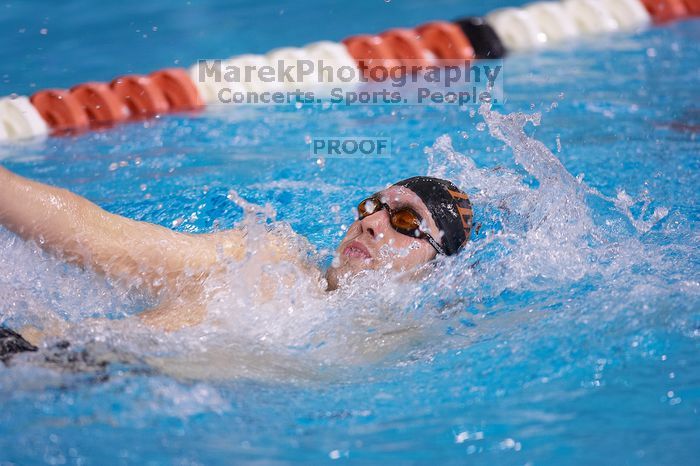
x: 693, y: 6
x: 371, y: 52
x: 407, y: 47
x: 445, y: 40
x: 178, y: 89
x: 100, y: 103
x: 141, y: 94
x: 665, y: 10
x: 60, y: 109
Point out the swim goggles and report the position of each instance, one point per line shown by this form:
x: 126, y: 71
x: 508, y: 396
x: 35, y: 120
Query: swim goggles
x: 404, y: 220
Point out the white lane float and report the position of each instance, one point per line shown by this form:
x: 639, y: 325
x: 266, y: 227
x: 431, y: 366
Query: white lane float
x: 553, y: 20
x: 629, y: 14
x: 210, y: 88
x: 19, y: 119
x: 249, y: 67
x: 591, y: 16
x: 297, y: 60
x: 517, y: 28
x: 339, y: 68
x: 207, y: 87
x: 337, y: 57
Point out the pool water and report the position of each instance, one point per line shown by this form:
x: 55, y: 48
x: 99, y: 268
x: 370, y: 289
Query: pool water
x: 568, y: 331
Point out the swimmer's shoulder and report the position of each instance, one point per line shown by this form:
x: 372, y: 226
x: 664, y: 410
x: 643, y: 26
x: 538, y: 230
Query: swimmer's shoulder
x: 288, y: 246
x: 225, y: 244
x: 276, y: 242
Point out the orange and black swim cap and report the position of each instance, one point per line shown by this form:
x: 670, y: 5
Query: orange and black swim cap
x: 449, y: 206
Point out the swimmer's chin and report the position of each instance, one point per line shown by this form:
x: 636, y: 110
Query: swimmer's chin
x: 340, y: 275
x: 345, y: 273
x: 334, y: 277
x: 348, y: 267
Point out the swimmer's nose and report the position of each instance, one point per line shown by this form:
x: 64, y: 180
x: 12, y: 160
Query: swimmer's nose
x: 376, y: 223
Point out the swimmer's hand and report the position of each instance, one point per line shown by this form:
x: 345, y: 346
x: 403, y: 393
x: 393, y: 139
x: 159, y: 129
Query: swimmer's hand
x: 52, y: 326
x: 32, y: 334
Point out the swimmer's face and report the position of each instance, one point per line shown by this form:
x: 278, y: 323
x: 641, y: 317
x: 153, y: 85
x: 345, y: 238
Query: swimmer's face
x: 372, y: 243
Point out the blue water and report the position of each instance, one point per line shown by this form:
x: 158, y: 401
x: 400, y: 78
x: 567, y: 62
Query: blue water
x: 574, y: 343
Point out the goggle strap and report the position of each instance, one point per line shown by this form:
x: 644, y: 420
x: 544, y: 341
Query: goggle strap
x: 436, y: 245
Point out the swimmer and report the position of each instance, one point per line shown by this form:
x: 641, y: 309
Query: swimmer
x: 398, y: 228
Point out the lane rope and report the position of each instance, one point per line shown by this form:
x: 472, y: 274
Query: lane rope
x: 94, y: 105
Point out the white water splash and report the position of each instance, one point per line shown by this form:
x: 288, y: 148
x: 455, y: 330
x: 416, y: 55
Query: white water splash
x: 273, y: 319
x: 542, y: 234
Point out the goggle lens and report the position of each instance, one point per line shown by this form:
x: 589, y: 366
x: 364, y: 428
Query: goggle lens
x: 403, y: 220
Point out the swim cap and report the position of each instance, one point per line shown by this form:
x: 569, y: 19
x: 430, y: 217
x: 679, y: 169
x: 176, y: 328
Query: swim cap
x: 449, y: 206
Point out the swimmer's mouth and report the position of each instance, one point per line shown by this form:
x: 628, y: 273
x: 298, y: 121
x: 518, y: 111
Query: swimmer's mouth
x: 356, y: 250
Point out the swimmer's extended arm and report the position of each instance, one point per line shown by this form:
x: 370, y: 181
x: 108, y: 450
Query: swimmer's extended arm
x: 146, y: 255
